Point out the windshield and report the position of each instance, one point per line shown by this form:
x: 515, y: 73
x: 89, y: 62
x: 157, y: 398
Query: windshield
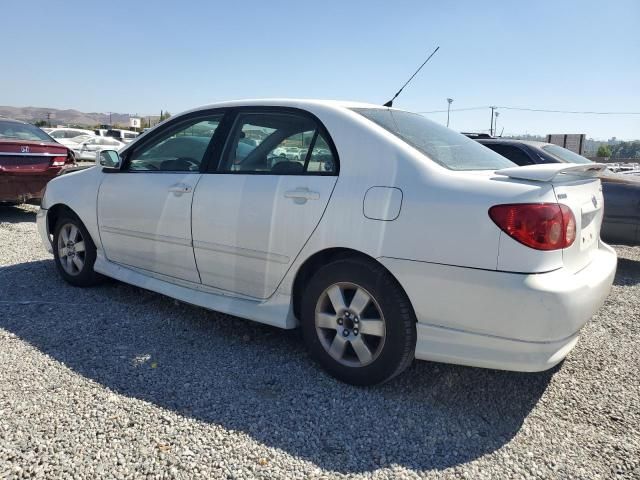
x: 22, y: 131
x: 442, y: 145
x: 565, y: 155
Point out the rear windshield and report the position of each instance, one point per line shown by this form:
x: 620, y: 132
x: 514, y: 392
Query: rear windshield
x: 565, y: 155
x: 22, y: 131
x: 442, y: 145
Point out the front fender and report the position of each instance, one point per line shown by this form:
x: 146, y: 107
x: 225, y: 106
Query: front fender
x: 77, y: 191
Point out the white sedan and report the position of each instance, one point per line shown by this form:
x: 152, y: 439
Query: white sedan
x: 395, y: 238
x: 87, y: 147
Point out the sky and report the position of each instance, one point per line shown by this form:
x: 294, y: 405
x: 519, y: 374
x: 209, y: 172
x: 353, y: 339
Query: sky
x: 139, y: 57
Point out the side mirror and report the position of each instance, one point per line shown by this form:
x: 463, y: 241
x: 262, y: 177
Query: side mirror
x: 109, y: 159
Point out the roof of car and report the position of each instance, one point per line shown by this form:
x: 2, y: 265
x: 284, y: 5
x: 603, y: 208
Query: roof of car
x: 304, y: 103
x: 505, y: 141
x: 7, y: 119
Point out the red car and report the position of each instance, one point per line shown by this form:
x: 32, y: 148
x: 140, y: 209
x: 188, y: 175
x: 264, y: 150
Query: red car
x: 29, y: 158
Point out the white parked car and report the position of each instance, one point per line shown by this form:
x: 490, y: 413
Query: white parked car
x: 411, y: 240
x: 90, y: 146
x: 67, y: 133
x: 124, y: 136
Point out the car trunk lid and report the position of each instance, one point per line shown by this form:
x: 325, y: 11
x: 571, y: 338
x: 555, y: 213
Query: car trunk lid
x: 579, y: 188
x: 30, y: 157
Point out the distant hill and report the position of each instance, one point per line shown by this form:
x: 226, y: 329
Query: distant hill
x: 64, y: 117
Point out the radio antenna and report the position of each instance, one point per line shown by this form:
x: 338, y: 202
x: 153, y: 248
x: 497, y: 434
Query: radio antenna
x: 390, y: 102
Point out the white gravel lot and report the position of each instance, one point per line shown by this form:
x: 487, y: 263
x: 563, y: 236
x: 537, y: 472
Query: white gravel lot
x: 118, y: 382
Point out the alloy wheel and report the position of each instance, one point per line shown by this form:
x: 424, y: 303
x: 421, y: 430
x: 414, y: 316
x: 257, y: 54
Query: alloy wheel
x: 350, y: 324
x: 71, y: 249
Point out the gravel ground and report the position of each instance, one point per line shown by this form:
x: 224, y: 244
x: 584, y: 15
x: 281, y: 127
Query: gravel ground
x: 119, y: 382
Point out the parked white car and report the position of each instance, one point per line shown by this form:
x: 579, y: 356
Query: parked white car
x: 410, y: 240
x: 67, y: 133
x: 90, y: 146
x: 124, y: 136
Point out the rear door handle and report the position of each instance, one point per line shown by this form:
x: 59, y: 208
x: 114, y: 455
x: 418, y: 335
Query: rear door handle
x: 180, y: 188
x: 301, y: 195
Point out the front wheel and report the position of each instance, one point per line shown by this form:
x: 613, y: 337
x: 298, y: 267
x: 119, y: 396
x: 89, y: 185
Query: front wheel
x: 357, y: 322
x: 75, y: 253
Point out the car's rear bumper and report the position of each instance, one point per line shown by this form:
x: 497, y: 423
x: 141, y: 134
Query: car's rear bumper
x: 23, y: 187
x: 509, y: 321
x: 43, y: 228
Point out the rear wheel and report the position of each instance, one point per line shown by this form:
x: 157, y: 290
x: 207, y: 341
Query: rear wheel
x: 357, y: 322
x: 75, y: 252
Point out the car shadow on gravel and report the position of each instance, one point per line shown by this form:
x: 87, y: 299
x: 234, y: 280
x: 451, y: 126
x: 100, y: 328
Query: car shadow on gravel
x: 628, y: 272
x: 16, y: 214
x: 259, y: 380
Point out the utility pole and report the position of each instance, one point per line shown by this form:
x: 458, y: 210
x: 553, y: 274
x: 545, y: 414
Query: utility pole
x: 449, y: 102
x: 110, y: 119
x: 495, y: 128
x: 491, y: 124
x: 49, y: 118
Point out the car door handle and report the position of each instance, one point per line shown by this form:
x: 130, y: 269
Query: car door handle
x: 302, y: 194
x: 180, y: 188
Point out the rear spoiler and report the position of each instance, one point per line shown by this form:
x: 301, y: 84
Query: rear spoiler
x: 547, y: 172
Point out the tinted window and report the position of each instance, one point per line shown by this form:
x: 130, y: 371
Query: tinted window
x: 180, y: 149
x: 22, y: 131
x: 278, y: 143
x: 440, y: 144
x: 513, y: 153
x: 565, y: 155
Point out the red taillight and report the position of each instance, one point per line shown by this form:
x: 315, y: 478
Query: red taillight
x: 543, y: 226
x: 58, y: 161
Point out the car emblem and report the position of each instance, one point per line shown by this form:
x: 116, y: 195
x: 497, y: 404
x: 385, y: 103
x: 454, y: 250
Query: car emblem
x: 24, y: 149
x: 594, y: 200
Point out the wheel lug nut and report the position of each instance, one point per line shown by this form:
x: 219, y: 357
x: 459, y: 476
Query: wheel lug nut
x: 347, y: 314
x: 356, y: 319
x: 355, y: 331
x: 345, y: 332
x: 340, y: 321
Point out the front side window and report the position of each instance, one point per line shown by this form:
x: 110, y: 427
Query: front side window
x: 442, y: 145
x: 180, y: 149
x: 278, y: 144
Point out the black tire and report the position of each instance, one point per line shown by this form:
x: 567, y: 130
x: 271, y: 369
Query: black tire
x: 85, y: 277
x: 398, y: 347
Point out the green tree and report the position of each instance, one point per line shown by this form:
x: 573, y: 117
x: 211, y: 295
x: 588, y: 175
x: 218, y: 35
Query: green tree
x: 604, y: 151
x: 40, y: 123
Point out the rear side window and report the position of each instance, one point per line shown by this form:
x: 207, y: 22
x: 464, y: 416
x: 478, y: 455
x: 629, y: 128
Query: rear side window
x: 442, y: 145
x: 513, y: 153
x: 278, y: 144
x: 565, y: 155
